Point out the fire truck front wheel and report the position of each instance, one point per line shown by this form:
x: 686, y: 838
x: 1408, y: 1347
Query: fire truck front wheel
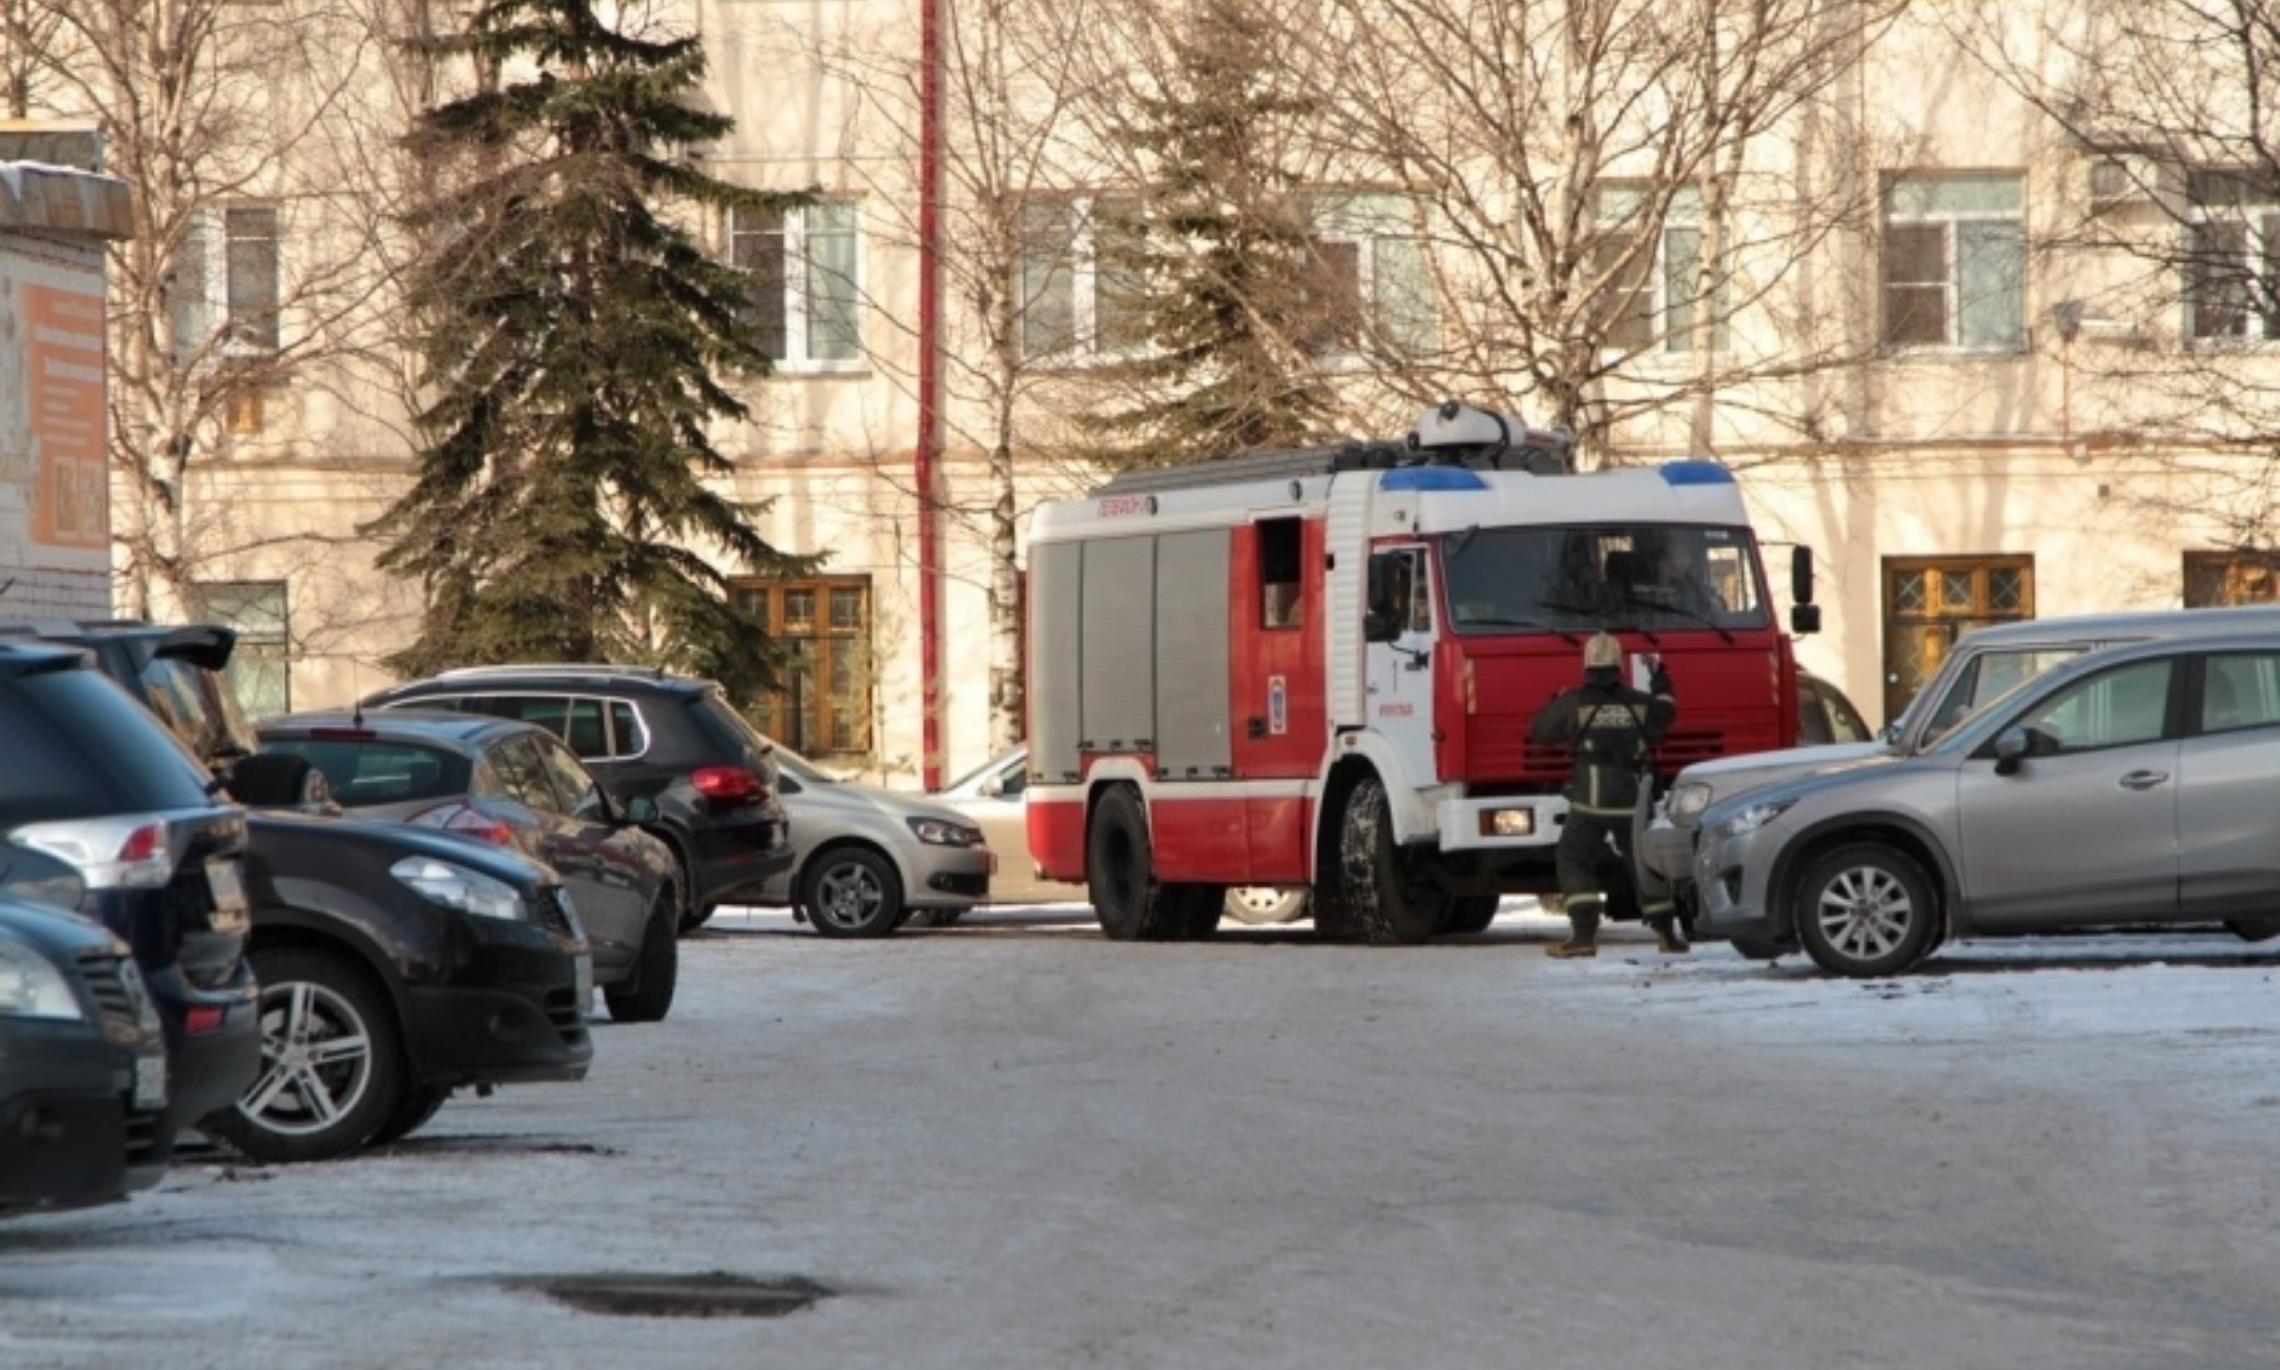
x: 1120, y: 871
x: 1392, y: 901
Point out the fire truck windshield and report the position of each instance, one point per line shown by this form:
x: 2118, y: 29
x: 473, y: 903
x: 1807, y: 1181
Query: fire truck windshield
x: 1666, y: 577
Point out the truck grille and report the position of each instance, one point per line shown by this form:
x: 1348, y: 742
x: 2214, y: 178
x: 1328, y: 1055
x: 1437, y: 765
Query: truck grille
x: 1505, y: 753
x: 118, y: 993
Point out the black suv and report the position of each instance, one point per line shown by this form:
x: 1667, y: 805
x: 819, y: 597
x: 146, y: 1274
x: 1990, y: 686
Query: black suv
x: 103, y: 812
x: 82, y: 1065
x: 396, y: 965
x: 676, y: 742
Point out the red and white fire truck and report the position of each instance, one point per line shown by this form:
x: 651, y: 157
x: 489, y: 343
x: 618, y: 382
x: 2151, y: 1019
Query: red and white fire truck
x: 1318, y: 668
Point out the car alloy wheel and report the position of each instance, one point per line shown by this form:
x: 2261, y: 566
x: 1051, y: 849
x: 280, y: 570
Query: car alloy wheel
x: 1864, y: 913
x: 316, y: 1060
x: 848, y: 894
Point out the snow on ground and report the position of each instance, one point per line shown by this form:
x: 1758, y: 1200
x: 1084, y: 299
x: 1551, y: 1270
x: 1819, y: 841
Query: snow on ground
x: 1011, y: 1143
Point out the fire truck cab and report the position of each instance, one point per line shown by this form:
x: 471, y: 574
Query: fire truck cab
x: 1319, y: 668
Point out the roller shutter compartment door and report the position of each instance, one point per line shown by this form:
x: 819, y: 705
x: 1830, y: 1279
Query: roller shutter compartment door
x: 1192, y: 740
x: 1118, y: 646
x: 1055, y: 636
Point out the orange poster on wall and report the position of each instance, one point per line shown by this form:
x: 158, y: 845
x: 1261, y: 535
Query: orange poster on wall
x: 63, y: 388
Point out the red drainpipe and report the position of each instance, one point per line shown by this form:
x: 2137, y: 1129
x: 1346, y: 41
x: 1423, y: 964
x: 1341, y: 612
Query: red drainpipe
x: 929, y: 389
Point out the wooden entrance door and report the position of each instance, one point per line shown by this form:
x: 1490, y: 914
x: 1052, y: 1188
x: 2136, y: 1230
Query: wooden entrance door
x: 1931, y: 601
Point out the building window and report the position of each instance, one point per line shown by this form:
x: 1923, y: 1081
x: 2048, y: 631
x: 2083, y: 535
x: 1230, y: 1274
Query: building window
x: 822, y: 704
x: 260, y: 670
x: 1955, y: 263
x: 2232, y: 262
x: 227, y: 276
x: 1931, y: 601
x: 1653, y: 292
x: 1369, y: 279
x: 1081, y: 282
x: 2217, y: 579
x: 806, y: 267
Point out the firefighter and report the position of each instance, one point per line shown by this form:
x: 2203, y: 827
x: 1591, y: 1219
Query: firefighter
x: 1612, y: 731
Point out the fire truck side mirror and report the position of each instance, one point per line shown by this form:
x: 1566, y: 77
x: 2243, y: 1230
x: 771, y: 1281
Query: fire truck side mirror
x: 1801, y: 575
x: 1804, y: 619
x: 1379, y: 626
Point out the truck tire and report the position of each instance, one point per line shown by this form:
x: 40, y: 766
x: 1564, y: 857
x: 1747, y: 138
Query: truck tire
x: 1470, y: 913
x: 1393, y: 904
x: 1120, y: 875
x: 1201, y: 906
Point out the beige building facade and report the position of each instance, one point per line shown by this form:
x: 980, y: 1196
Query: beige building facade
x: 1976, y: 443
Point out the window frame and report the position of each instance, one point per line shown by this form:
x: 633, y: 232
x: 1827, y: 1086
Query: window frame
x: 1678, y: 217
x: 1949, y: 221
x: 2174, y: 706
x: 1349, y: 224
x: 799, y: 340
x: 260, y: 638
x: 1084, y: 214
x: 770, y: 593
x: 2197, y: 695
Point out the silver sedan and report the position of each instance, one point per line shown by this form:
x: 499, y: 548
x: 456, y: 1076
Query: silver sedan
x: 865, y: 859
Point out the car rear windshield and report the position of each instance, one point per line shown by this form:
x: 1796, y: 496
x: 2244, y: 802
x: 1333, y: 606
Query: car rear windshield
x: 733, y: 732
x: 78, y: 746
x: 368, y: 773
x: 194, y: 702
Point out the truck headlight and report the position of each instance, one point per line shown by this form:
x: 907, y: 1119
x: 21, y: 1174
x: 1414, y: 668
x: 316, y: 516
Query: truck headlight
x: 1687, y: 801
x: 31, y: 986
x: 1754, y: 817
x: 456, y: 887
x: 937, y: 833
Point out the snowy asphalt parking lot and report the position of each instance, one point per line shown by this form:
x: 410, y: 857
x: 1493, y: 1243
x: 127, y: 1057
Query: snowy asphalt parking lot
x: 1015, y: 1144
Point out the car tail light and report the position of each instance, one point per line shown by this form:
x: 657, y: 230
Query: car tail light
x: 469, y: 820
x: 202, y: 1020
x: 728, y: 784
x: 127, y: 852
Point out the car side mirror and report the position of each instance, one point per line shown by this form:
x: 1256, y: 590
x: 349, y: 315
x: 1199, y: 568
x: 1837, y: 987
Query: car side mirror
x: 638, y: 811
x: 1801, y: 578
x: 1379, y: 626
x: 1804, y: 619
x: 2012, y: 747
x: 992, y: 786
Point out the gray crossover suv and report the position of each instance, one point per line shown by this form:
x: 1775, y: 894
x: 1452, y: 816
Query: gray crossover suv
x: 2136, y: 783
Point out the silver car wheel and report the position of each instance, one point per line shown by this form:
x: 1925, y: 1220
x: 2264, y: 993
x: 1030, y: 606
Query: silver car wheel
x: 1259, y: 905
x: 848, y: 895
x: 1864, y: 912
x: 316, y: 1060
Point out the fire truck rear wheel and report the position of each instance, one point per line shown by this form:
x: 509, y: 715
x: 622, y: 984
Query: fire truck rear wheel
x: 1120, y: 871
x: 1393, y: 903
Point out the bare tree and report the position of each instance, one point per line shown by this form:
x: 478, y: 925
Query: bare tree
x: 1573, y: 161
x: 2164, y: 246
x: 1013, y: 208
x: 257, y: 151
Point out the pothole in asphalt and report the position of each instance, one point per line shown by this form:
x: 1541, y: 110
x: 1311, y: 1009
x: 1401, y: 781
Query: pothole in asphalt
x: 715, y: 1294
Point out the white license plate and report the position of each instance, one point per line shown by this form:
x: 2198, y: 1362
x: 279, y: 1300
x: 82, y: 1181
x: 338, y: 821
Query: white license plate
x: 228, y: 890
x: 150, y: 1083
x: 585, y: 979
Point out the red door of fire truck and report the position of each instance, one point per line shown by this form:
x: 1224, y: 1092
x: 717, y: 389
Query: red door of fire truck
x: 1276, y: 621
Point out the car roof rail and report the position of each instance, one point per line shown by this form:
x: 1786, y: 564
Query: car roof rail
x: 610, y: 670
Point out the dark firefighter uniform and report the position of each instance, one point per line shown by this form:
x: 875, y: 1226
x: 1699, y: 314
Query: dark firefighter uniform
x: 1612, y: 731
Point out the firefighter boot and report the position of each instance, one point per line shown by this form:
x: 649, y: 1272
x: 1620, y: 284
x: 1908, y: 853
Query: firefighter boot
x: 1670, y: 939
x: 1583, y: 940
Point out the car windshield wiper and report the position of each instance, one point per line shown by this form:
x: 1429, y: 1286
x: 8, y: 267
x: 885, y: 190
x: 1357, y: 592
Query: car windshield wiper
x: 1683, y: 612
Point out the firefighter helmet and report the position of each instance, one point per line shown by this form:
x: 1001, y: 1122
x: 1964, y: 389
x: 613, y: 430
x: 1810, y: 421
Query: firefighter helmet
x: 1602, y: 653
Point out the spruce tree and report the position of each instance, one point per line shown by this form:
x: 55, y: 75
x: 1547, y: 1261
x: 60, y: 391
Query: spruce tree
x: 1224, y: 251
x: 574, y: 339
